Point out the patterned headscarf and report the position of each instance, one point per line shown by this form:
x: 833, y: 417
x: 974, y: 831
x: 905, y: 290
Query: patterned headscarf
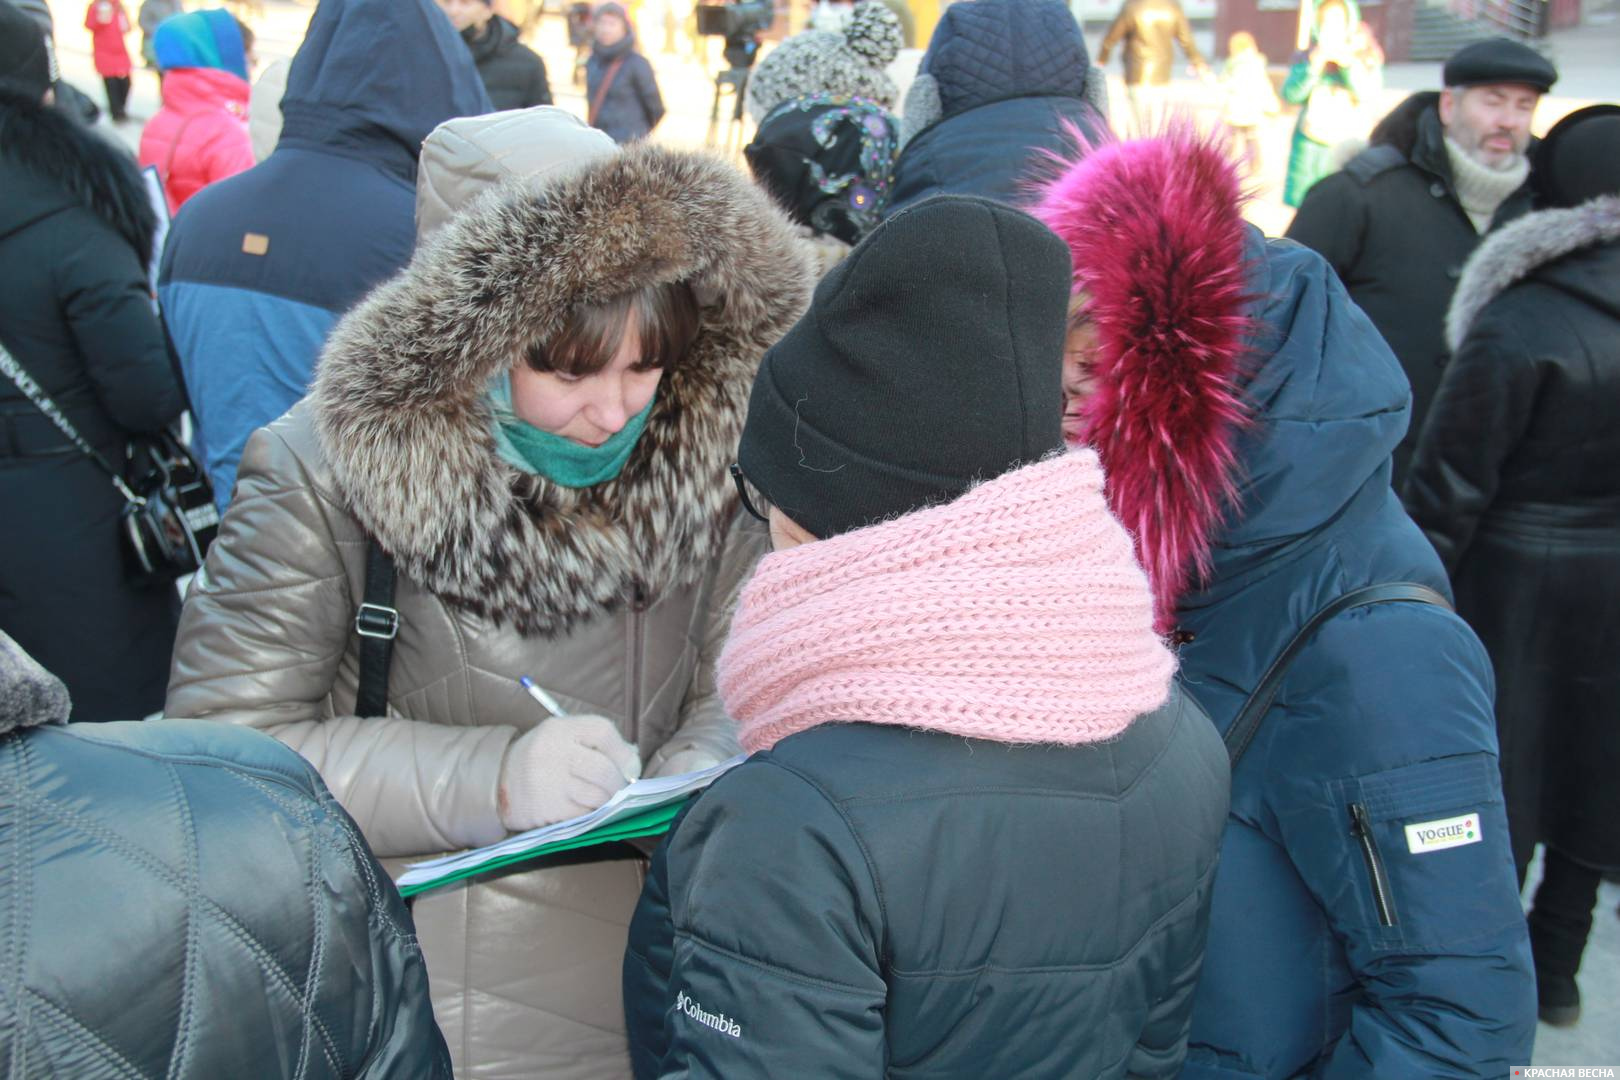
x: 828, y: 161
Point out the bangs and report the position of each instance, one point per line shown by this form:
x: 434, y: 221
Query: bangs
x: 664, y: 317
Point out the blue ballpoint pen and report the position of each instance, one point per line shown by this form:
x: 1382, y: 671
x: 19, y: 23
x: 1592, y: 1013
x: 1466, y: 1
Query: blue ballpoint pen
x: 547, y: 702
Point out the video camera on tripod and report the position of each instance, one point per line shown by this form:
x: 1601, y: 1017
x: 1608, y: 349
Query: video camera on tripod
x: 738, y: 23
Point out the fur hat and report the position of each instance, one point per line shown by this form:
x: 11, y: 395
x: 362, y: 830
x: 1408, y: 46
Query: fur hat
x: 849, y: 63
x: 1580, y: 157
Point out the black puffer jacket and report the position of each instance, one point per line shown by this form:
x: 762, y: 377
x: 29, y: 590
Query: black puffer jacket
x: 186, y: 899
x: 514, y: 75
x: 1517, y: 483
x: 76, y: 314
x: 995, y: 91
x: 1392, y: 226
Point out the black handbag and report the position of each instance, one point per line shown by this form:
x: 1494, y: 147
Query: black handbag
x: 169, y: 517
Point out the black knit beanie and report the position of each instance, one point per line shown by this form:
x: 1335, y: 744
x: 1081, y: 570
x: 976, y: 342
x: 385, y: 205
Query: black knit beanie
x: 1580, y: 157
x: 25, y: 54
x: 930, y: 360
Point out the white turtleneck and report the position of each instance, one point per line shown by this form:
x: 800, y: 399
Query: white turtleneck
x: 1480, y: 188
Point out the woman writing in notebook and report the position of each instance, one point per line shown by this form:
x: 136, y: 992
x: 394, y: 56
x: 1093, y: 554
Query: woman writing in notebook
x: 533, y: 422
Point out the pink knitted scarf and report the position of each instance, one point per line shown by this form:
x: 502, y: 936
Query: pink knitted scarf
x: 1016, y: 613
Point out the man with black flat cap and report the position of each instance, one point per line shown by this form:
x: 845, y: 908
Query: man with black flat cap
x: 1401, y: 219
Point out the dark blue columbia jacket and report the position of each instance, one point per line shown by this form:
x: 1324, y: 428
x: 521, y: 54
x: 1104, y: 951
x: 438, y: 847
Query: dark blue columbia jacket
x: 1343, y: 943
x: 259, y: 267
x: 866, y: 900
x: 1009, y: 75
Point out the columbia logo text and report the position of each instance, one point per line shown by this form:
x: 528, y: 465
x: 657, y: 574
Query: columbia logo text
x: 717, y: 1021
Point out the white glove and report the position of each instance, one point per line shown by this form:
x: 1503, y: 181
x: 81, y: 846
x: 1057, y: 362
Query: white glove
x: 688, y: 760
x: 565, y: 767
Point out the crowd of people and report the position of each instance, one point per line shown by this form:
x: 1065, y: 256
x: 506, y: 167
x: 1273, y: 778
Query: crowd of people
x: 1159, y: 648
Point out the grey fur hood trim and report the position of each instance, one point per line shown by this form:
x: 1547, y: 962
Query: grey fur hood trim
x: 30, y: 696
x: 399, y: 399
x: 1514, y: 251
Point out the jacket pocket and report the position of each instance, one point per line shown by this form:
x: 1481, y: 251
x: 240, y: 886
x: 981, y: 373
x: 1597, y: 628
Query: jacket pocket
x: 1436, y: 863
x: 1377, y: 873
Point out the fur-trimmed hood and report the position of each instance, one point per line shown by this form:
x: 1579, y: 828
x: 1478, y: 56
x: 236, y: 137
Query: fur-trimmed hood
x: 399, y: 399
x: 1156, y: 232
x: 1528, y: 245
x: 55, y: 152
x: 30, y: 696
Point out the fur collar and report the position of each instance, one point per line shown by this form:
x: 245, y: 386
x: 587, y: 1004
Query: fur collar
x: 91, y: 171
x: 30, y: 696
x: 399, y: 408
x: 1515, y: 251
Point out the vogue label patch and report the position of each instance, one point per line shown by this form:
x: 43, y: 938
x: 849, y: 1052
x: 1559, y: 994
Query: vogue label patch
x: 1426, y: 836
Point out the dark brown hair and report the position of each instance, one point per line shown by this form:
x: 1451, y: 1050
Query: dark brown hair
x: 666, y: 320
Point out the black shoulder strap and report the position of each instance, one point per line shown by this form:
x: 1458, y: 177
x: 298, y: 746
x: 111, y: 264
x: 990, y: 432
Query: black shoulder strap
x: 377, y: 623
x: 1243, y: 729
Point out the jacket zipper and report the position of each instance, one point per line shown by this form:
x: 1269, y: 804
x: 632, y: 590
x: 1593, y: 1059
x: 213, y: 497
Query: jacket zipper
x: 638, y: 607
x: 1361, y: 826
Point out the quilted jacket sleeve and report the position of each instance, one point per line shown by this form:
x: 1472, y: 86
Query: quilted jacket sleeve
x: 264, y: 629
x: 704, y: 726
x: 1486, y: 398
x: 771, y: 945
x: 1435, y: 935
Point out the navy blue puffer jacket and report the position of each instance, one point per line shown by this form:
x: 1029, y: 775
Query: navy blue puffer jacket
x: 1343, y: 941
x: 996, y: 89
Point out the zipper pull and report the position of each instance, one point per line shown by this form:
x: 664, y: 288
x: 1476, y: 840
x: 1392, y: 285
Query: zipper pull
x: 1360, y: 823
x: 638, y: 597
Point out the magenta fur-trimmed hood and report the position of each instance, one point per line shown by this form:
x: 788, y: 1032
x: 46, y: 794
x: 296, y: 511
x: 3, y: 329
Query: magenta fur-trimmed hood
x: 1156, y: 231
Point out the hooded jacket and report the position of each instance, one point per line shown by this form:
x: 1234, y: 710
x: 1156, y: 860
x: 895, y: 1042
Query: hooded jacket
x: 257, y: 270
x: 614, y: 598
x: 189, y: 899
x: 199, y: 135
x: 1245, y: 411
x: 75, y: 313
x: 1391, y: 225
x: 995, y: 91
x: 514, y: 75
x: 1517, y: 483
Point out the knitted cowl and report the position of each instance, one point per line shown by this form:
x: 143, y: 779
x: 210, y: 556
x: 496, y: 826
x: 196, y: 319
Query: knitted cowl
x: 1016, y: 613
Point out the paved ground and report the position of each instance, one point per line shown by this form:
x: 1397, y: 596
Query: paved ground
x: 1586, y: 59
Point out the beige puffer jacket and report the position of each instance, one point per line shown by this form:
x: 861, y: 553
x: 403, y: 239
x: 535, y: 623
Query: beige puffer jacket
x: 615, y: 598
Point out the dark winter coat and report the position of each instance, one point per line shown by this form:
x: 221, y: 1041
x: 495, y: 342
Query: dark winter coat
x: 1150, y: 30
x: 1388, y: 709
x: 1517, y: 483
x: 892, y: 831
x: 631, y: 107
x: 514, y: 75
x: 995, y: 91
x: 76, y: 313
x: 1392, y: 226
x: 259, y: 267
x: 187, y: 899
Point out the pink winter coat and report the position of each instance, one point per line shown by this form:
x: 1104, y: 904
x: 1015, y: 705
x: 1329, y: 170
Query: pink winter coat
x: 108, y: 23
x: 200, y: 134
